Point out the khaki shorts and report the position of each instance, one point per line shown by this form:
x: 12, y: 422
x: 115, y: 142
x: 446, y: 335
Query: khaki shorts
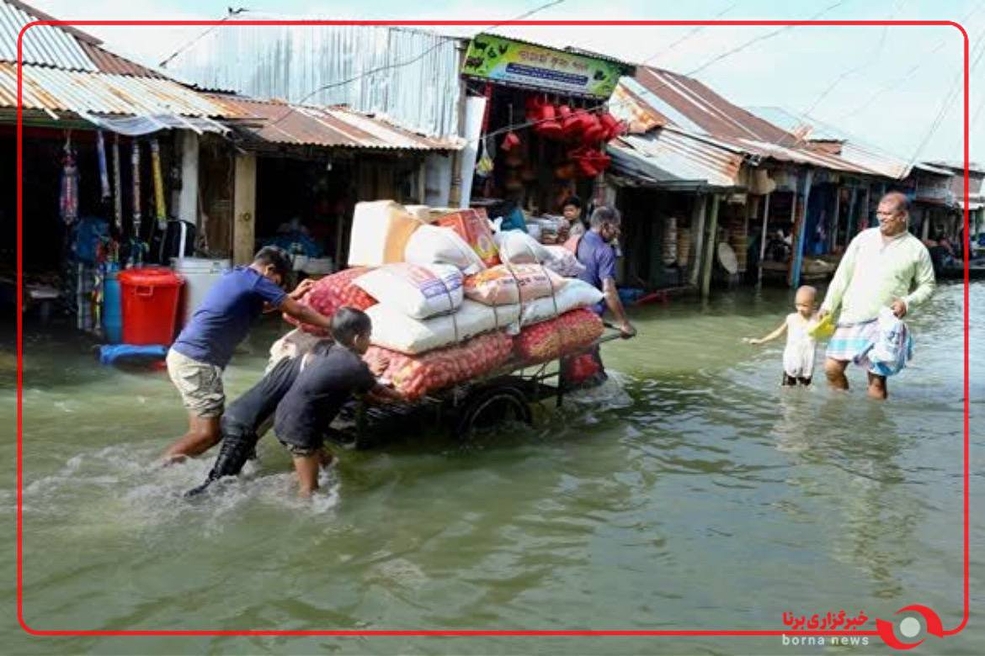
x: 303, y: 451
x: 199, y: 383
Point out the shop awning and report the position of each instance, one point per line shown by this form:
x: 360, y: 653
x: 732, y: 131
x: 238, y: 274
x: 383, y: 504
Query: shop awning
x: 105, y: 98
x: 138, y: 126
x: 672, y: 160
x: 279, y: 123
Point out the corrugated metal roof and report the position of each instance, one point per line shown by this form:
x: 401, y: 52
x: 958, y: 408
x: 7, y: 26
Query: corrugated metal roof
x: 672, y: 159
x: 639, y: 116
x: 108, y: 62
x: 56, y: 90
x: 764, y: 150
x: 329, y: 127
x: 408, y: 76
x: 973, y: 167
x: 693, y: 106
x: 837, y: 142
x: 800, y: 126
x: 45, y: 45
x: 690, y: 107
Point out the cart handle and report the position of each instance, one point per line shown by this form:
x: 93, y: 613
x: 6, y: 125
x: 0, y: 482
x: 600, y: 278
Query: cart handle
x: 609, y: 338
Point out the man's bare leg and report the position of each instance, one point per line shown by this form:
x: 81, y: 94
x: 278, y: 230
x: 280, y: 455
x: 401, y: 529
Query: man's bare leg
x: 877, y: 387
x: 835, y: 371
x: 203, y: 433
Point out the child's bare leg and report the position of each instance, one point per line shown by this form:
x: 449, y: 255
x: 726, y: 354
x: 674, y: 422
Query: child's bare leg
x: 307, y: 468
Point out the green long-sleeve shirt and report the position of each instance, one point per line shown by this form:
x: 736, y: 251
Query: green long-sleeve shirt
x: 873, y: 273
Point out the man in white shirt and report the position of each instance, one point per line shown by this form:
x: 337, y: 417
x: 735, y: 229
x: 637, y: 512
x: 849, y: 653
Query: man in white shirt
x: 884, y: 266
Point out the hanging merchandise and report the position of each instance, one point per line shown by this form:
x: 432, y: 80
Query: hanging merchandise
x: 69, y: 189
x: 161, y: 211
x: 117, y: 191
x: 103, y: 173
x: 135, y: 160
x: 484, y: 167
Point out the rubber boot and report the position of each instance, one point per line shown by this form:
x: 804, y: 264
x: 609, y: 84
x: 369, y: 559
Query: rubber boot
x: 236, y: 449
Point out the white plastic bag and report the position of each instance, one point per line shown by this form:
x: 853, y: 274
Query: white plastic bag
x: 575, y: 294
x: 417, y: 291
x: 517, y: 247
x: 433, y: 245
x: 398, y: 332
x: 293, y: 344
x: 563, y: 262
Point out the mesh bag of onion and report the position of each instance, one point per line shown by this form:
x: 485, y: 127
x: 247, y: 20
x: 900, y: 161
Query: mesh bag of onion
x: 330, y: 293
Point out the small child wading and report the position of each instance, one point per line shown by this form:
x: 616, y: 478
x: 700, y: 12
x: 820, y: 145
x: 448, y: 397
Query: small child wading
x: 799, y: 355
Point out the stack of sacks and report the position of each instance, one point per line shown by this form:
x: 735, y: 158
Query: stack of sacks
x: 440, y: 316
x: 431, y: 336
x: 330, y: 293
x: 552, y: 312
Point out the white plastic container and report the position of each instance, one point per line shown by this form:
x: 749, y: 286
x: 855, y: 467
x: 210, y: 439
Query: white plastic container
x: 199, y: 274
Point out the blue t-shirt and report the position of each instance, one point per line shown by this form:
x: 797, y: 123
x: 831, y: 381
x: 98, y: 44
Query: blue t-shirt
x: 599, y: 260
x: 224, y: 317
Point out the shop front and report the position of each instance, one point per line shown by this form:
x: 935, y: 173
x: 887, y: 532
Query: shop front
x: 542, y: 129
x: 95, y: 201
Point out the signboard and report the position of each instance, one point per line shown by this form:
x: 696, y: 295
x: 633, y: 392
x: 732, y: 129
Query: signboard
x: 509, y: 62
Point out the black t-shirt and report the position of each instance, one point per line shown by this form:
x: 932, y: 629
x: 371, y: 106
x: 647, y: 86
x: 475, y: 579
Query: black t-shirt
x: 319, y: 393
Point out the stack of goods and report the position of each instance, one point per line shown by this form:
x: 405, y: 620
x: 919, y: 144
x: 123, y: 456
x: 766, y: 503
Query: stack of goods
x: 683, y: 247
x: 738, y: 240
x: 444, y: 312
x: 670, y: 241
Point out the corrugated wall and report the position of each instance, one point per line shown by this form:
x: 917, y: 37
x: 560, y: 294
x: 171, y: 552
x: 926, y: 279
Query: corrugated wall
x: 408, y: 76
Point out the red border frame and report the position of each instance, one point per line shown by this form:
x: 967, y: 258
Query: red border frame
x: 569, y: 23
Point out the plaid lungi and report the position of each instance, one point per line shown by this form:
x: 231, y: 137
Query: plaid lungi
x: 851, y: 340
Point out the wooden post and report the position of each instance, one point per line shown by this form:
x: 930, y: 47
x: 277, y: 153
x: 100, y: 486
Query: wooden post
x: 710, y: 245
x: 455, y: 189
x: 244, y: 208
x: 801, y: 229
x: 833, y: 237
x: 851, y: 215
x: 188, y: 196
x: 697, y: 237
x: 762, y: 239
x: 866, y: 209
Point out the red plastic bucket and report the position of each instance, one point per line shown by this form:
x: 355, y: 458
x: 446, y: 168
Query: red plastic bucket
x: 150, y: 305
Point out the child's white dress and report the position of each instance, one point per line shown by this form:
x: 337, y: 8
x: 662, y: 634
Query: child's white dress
x: 798, y: 356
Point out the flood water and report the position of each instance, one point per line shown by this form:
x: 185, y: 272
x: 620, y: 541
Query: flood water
x: 694, y: 494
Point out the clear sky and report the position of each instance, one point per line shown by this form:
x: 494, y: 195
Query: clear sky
x: 897, y: 88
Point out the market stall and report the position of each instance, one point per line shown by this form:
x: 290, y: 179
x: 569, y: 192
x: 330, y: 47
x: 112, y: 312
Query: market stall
x: 543, y: 130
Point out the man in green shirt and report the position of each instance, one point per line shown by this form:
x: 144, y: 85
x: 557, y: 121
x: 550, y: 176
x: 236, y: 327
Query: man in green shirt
x: 882, y: 267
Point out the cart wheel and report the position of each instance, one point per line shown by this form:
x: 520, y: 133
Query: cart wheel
x: 491, y: 408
